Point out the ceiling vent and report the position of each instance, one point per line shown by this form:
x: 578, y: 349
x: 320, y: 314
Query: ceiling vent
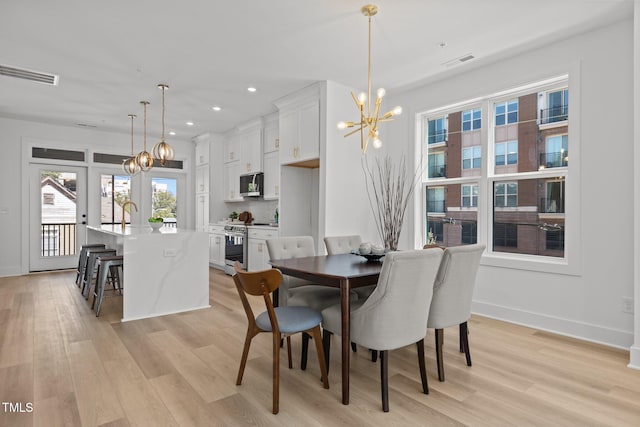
x: 34, y: 76
x: 459, y: 60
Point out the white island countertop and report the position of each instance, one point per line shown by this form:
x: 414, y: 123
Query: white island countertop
x: 165, y: 271
x: 136, y: 230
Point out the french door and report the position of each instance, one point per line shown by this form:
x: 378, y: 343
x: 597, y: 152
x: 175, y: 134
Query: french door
x: 57, y: 215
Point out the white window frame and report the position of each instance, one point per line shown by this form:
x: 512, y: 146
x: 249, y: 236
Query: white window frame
x: 505, y: 144
x: 570, y: 264
x: 472, y: 159
x: 473, y: 198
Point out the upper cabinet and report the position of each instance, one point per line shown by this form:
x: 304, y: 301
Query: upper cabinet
x: 251, y: 150
x: 202, y: 152
x: 271, y: 137
x: 299, y: 128
x: 232, y: 148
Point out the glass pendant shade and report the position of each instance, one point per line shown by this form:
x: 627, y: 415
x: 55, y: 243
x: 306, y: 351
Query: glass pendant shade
x: 129, y: 165
x: 144, y: 158
x: 163, y: 151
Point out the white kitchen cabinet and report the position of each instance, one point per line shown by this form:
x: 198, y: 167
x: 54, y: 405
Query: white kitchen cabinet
x: 232, y: 182
x: 202, y: 153
x: 257, y: 253
x: 271, y: 175
x: 299, y: 129
x: 216, y: 246
x: 232, y: 148
x: 202, y: 179
x: 202, y: 212
x: 271, y: 138
x: 251, y: 151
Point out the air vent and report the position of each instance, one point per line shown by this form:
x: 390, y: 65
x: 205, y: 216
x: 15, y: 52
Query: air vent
x: 34, y: 76
x: 459, y: 60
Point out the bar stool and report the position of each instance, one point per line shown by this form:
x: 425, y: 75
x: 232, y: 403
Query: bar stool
x: 90, y: 269
x: 82, y: 259
x: 108, y: 266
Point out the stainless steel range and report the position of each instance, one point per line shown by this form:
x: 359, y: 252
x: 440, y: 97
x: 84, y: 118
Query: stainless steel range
x: 235, y: 246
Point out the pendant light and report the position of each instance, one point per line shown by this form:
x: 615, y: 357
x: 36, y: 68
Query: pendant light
x: 144, y: 158
x: 130, y: 166
x: 161, y: 150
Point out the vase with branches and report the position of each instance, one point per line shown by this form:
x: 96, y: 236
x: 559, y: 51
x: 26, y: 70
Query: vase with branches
x: 389, y: 187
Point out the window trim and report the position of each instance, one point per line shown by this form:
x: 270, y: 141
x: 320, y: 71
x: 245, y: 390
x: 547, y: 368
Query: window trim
x: 571, y: 263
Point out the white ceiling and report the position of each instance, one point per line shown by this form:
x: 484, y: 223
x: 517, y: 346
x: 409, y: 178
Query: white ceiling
x: 112, y: 54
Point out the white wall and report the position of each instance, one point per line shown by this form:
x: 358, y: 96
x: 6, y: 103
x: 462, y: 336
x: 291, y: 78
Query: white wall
x: 587, y: 305
x: 13, y: 135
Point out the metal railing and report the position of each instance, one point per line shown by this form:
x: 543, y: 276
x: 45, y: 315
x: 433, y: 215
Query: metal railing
x: 551, y: 205
x: 554, y: 114
x: 57, y: 239
x: 435, y: 206
x: 437, y: 136
x: 437, y: 171
x: 554, y: 160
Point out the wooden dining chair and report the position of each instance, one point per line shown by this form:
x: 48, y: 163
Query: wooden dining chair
x: 452, y: 294
x: 395, y: 315
x: 280, y: 321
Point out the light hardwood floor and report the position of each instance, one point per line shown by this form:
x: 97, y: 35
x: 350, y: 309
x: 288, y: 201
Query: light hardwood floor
x: 180, y: 370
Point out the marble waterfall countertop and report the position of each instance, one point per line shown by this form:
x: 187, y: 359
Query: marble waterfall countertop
x: 135, y: 230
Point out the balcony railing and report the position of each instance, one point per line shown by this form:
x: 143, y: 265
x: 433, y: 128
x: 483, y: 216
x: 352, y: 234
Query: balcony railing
x: 437, y: 136
x: 58, y: 239
x: 554, y: 114
x: 437, y: 171
x: 554, y: 160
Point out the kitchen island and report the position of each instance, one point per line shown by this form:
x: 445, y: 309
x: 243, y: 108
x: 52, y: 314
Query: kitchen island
x: 165, y: 271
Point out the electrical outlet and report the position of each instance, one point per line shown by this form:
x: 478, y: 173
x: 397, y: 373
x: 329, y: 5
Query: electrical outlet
x: 170, y: 252
x: 627, y: 305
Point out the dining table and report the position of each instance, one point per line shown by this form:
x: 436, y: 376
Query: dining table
x: 344, y: 271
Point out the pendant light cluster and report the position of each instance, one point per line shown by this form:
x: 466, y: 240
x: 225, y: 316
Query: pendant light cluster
x: 143, y: 161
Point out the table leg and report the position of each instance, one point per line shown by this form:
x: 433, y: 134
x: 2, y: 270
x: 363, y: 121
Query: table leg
x: 345, y: 305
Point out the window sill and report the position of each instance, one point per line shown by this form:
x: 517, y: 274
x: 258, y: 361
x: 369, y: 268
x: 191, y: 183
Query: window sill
x: 543, y: 264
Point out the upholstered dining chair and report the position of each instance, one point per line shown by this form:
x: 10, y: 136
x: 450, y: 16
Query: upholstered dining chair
x: 300, y: 292
x: 344, y: 245
x: 396, y: 313
x: 280, y: 321
x: 452, y: 294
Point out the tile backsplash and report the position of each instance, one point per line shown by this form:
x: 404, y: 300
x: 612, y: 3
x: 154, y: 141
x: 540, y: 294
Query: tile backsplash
x: 262, y: 210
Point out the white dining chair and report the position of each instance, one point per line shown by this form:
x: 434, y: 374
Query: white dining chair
x: 344, y: 245
x: 452, y: 294
x: 396, y: 313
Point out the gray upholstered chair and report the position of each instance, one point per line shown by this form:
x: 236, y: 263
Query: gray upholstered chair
x: 344, y: 245
x: 452, y: 293
x: 280, y: 321
x: 396, y: 313
x: 300, y: 292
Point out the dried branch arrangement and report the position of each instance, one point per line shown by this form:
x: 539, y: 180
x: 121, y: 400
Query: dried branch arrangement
x: 389, y: 188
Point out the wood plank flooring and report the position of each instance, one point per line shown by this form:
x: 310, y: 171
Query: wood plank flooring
x: 179, y: 370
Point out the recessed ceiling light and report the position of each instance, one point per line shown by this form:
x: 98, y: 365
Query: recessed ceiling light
x: 216, y: 108
x: 251, y: 89
x: 189, y: 123
x: 172, y: 133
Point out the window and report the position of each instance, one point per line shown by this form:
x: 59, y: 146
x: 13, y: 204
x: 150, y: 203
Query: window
x: 114, y: 191
x: 556, y: 152
x: 524, y: 213
x: 471, y: 120
x: 506, y: 153
x: 471, y: 157
x: 506, y: 194
x: 506, y: 112
x: 437, y: 168
x: 557, y: 107
x: 470, y: 195
x: 48, y: 198
x: 505, y: 234
x: 435, y: 226
x: 436, y: 130
x: 435, y: 199
x: 164, y: 200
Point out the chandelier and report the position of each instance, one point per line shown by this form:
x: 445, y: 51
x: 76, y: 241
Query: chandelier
x: 144, y: 158
x: 161, y: 150
x: 129, y: 165
x: 369, y: 119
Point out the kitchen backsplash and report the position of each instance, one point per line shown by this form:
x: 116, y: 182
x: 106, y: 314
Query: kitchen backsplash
x: 262, y: 210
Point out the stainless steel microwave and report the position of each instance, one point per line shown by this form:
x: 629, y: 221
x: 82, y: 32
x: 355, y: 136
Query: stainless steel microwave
x: 252, y: 185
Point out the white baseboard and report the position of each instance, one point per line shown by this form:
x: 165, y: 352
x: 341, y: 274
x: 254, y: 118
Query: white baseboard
x: 634, y: 357
x: 567, y: 327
